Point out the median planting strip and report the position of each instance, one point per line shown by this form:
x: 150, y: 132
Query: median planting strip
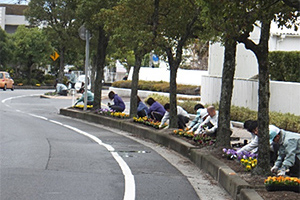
x: 227, y: 178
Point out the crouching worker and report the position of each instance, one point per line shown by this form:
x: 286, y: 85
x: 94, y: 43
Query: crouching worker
x: 61, y: 89
x: 90, y: 97
x: 182, y: 116
x: 288, y: 153
x: 142, y: 109
x: 200, y: 117
x: 156, y: 111
x: 210, y: 124
x: 252, y: 127
x: 119, y: 105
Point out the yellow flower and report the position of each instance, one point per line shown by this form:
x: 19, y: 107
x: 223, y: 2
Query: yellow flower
x: 255, y: 161
x: 282, y: 180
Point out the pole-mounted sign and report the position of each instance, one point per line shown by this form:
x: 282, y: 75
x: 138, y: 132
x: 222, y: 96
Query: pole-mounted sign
x: 54, y: 56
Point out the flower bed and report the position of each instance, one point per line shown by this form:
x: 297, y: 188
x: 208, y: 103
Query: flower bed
x: 148, y: 121
x: 108, y: 112
x: 247, y: 159
x: 281, y: 183
x: 81, y: 106
x: 199, y: 139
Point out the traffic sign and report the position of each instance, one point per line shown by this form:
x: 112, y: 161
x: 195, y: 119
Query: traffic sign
x: 54, y: 56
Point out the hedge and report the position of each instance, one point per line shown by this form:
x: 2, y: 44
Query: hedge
x: 284, y: 66
x: 159, y: 86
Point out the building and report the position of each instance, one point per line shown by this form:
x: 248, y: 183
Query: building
x: 12, y: 16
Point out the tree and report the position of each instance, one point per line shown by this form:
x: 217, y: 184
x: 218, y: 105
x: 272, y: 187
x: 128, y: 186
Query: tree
x: 132, y: 30
x: 229, y: 20
x: 33, y: 49
x: 175, y: 23
x: 58, y: 16
x: 267, y: 11
x: 239, y: 20
x: 6, y: 48
x: 293, y: 3
x: 91, y: 14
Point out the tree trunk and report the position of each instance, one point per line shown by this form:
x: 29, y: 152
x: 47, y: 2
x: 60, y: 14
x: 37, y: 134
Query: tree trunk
x: 29, y: 66
x: 263, y: 165
x: 173, y: 89
x: 224, y: 132
x: 134, y: 84
x: 261, y: 51
x: 61, y: 65
x: 93, y: 74
x: 100, y: 62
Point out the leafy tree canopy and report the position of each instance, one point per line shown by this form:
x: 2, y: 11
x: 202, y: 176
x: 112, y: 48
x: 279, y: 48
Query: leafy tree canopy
x: 33, y: 46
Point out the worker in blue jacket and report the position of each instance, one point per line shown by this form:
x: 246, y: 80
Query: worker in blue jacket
x: 119, y: 105
x: 90, y: 97
x: 156, y: 110
x: 288, y: 154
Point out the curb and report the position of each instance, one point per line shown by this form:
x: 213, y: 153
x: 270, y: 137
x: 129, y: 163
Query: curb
x: 238, y: 188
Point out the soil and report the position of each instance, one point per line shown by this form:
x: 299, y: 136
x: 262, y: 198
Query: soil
x: 257, y: 181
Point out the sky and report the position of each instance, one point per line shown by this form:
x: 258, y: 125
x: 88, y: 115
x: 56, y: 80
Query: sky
x: 22, y: 2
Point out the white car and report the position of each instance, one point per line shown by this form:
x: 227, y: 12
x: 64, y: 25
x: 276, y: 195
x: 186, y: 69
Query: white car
x: 80, y: 80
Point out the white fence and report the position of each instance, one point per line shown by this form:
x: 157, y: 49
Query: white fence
x: 284, y: 96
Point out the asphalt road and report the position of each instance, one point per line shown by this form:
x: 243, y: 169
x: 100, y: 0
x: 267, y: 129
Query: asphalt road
x: 44, y: 155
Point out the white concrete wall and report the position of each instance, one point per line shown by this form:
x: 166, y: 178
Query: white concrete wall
x: 284, y: 96
x: 2, y: 17
x: 246, y: 62
x: 285, y: 43
x: 16, y: 20
x: 187, y: 77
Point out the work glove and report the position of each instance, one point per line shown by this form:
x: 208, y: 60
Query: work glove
x: 274, y: 169
x: 281, y: 171
x: 197, y: 132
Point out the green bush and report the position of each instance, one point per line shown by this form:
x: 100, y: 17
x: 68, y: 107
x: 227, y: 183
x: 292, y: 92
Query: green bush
x: 158, y: 86
x: 284, y: 66
x: 49, y: 82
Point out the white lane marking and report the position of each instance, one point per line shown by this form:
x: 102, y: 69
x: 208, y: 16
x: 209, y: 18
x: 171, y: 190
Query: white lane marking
x: 56, y: 122
x: 129, y: 191
x: 37, y: 116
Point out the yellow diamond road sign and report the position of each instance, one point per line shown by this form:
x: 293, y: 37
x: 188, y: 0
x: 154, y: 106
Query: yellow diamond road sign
x: 54, y: 56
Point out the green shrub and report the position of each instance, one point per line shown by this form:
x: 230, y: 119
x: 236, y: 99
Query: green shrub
x: 158, y: 86
x: 284, y: 66
x: 49, y: 82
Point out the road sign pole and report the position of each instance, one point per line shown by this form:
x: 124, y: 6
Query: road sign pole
x: 87, y: 47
